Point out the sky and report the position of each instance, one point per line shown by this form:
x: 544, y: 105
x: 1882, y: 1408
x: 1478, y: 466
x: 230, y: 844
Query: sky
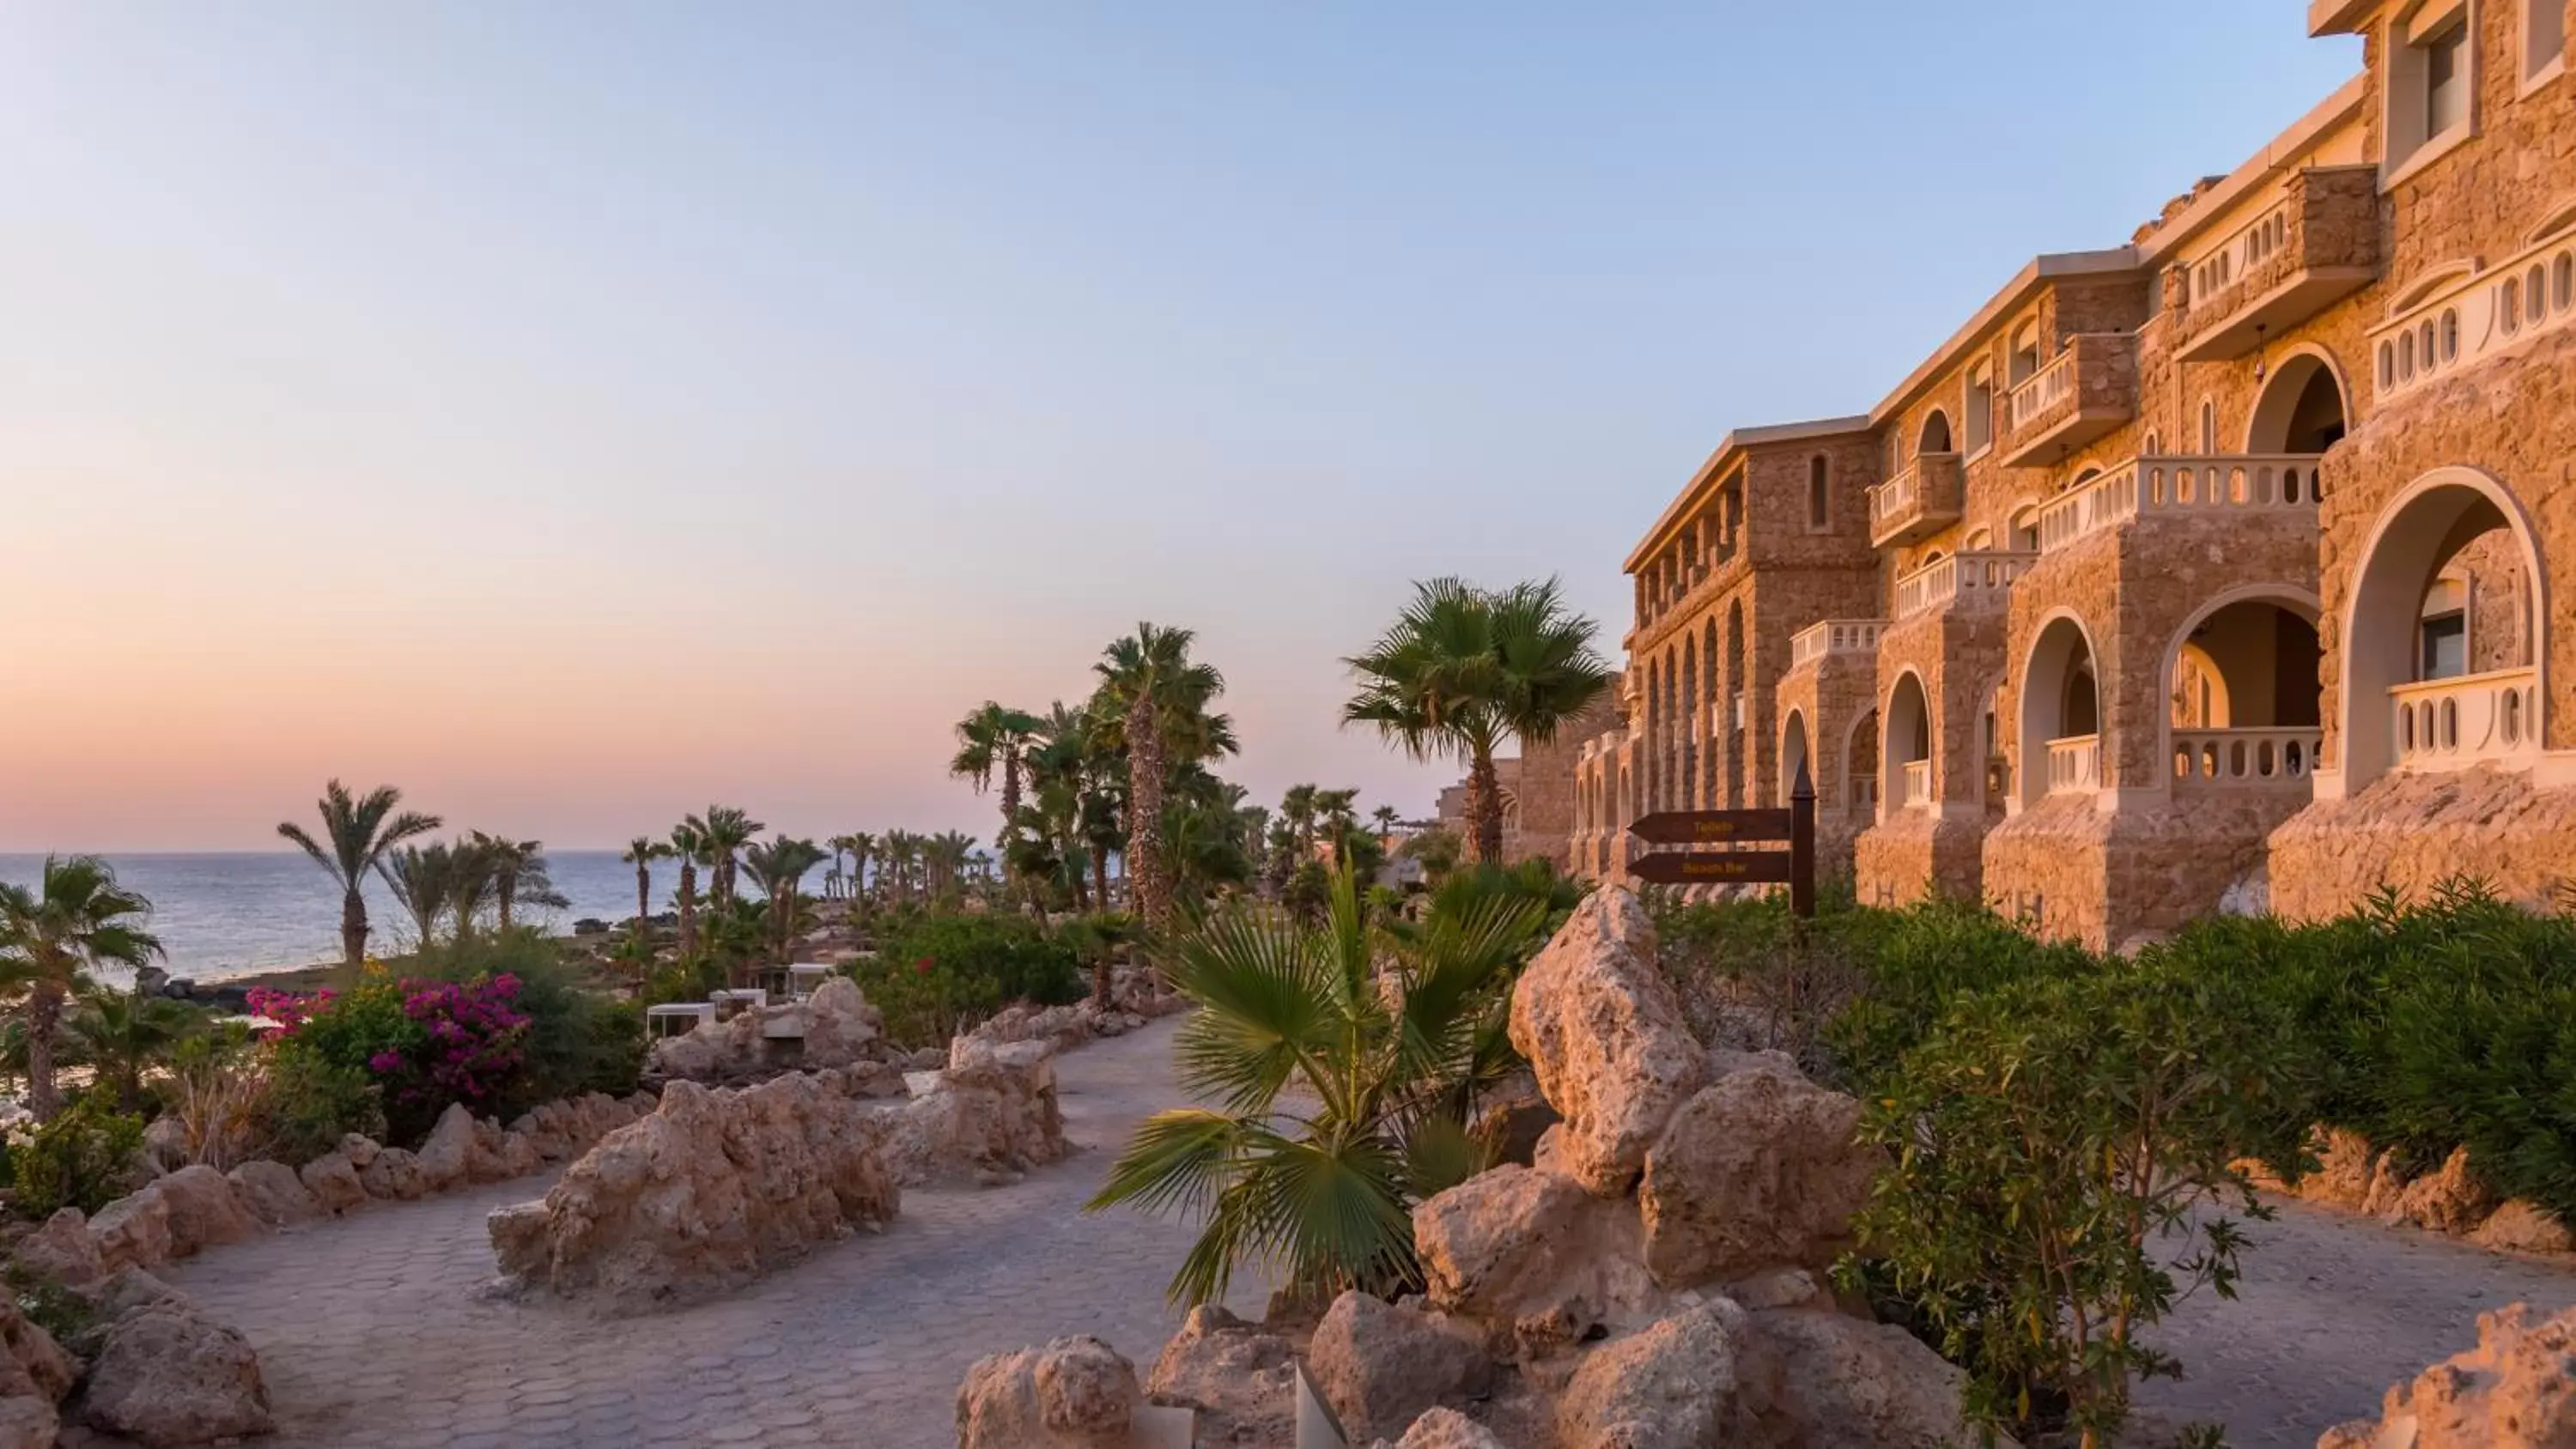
x: 578, y: 413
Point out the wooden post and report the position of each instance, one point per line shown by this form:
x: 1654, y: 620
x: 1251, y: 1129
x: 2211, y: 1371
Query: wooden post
x: 1802, y: 846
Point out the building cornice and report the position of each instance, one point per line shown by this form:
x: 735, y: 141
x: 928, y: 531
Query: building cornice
x: 2266, y: 165
x: 1730, y: 452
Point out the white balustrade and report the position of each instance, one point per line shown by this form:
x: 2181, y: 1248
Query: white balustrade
x: 2075, y: 765
x: 2448, y: 724
x: 2477, y: 315
x: 2248, y: 247
x: 2043, y: 389
x: 1968, y: 579
x: 1917, y: 784
x: 2245, y: 757
x: 1893, y: 497
x: 2266, y: 482
x: 1834, y: 636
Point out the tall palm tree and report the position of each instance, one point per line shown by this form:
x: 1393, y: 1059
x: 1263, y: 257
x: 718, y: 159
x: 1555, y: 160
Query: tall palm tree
x: 75, y: 920
x: 1338, y: 812
x: 641, y: 852
x: 686, y: 849
x: 423, y: 881
x: 1154, y: 701
x: 954, y: 851
x: 722, y: 833
x: 358, y: 831
x: 477, y: 879
x: 863, y: 848
x: 1385, y: 819
x: 1297, y: 807
x: 779, y: 868
x: 1463, y: 669
x: 990, y: 742
x: 124, y: 1033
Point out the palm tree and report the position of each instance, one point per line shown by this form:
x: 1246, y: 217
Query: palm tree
x: 1338, y: 810
x: 1385, y: 819
x: 518, y: 872
x: 686, y: 847
x: 476, y: 879
x: 123, y: 1033
x: 78, y: 918
x: 779, y: 868
x: 1154, y: 699
x: 1297, y: 807
x: 722, y: 832
x: 863, y: 847
x: 423, y: 881
x: 1464, y: 669
x: 990, y: 742
x: 1344, y: 1062
x: 359, y: 832
x: 641, y: 852
x: 953, y: 854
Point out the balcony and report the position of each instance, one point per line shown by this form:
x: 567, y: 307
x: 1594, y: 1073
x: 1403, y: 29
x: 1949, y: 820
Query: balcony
x: 2246, y: 486
x: 2239, y: 759
x: 2075, y: 765
x: 2316, y: 245
x: 2451, y: 724
x: 1817, y: 641
x: 2477, y: 315
x: 1919, y: 502
x: 2088, y: 390
x: 1916, y: 783
x: 1974, y: 580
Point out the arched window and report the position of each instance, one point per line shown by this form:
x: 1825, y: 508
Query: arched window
x: 1981, y: 410
x: 1819, y: 496
x: 1936, y: 433
x: 2208, y: 428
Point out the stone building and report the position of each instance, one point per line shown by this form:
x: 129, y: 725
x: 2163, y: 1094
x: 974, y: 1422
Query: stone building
x: 2212, y: 569
x: 1538, y: 787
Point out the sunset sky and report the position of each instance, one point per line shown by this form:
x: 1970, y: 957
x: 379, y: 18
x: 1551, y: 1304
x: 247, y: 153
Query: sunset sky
x: 579, y: 413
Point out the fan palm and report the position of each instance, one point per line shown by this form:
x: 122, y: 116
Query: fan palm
x: 125, y: 1033
x: 990, y: 742
x: 1344, y: 1063
x: 1385, y: 819
x: 1153, y: 703
x: 356, y: 833
x: 1297, y: 808
x: 1463, y: 669
x: 75, y: 920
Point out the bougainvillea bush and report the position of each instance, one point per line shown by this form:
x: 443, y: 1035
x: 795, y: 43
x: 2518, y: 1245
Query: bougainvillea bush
x: 417, y: 1045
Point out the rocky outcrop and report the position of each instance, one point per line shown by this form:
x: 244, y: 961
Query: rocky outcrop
x: 273, y: 1194
x: 833, y: 1029
x: 133, y: 1232
x: 2450, y: 1200
x: 35, y: 1374
x: 1676, y: 1385
x: 2521, y: 1226
x: 2351, y: 1176
x: 203, y: 1211
x: 1606, y: 1037
x: 165, y: 1375
x: 1535, y: 1260
x: 1075, y: 1393
x: 1833, y: 1379
x: 711, y: 1190
x: 1758, y: 1170
x: 63, y: 1251
x: 393, y: 1175
x: 990, y: 1114
x: 1237, y: 1376
x: 2510, y: 1392
x: 1445, y: 1429
x: 333, y: 1181
x: 1381, y: 1365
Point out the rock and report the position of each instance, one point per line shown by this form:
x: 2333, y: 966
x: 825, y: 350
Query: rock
x: 203, y: 1211
x: 835, y: 1027
x: 333, y: 1181
x: 1839, y: 1380
x: 29, y: 1424
x: 1780, y: 1288
x: 133, y: 1232
x: 519, y: 1156
x: 2342, y: 1178
x: 1534, y: 1261
x: 992, y: 1109
x: 1239, y: 1377
x: 1075, y: 1393
x: 2523, y: 1226
x: 487, y: 1156
x: 1679, y: 1384
x: 2510, y: 1392
x: 63, y: 1250
x: 710, y: 1191
x: 1606, y: 1037
x: 273, y: 1194
x: 360, y: 1150
x: 446, y: 1159
x: 393, y: 1176
x: 1380, y: 1366
x: 840, y: 1026
x: 1758, y: 1170
x: 31, y: 1363
x: 1726, y: 1062
x: 165, y: 1143
x: 1511, y: 1122
x: 2387, y: 1187
x: 167, y: 1375
x: 1446, y: 1429
x: 2452, y: 1200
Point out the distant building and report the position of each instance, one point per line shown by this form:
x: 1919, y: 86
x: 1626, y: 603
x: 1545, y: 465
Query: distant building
x: 1538, y: 786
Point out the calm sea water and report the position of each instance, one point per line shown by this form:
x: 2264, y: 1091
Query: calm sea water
x: 232, y: 915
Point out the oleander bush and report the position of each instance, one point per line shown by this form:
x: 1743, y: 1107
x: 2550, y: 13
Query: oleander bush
x: 942, y: 974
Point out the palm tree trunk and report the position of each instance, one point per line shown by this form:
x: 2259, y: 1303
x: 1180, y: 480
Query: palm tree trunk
x: 688, y: 907
x: 644, y: 905
x: 353, y: 927
x: 1010, y: 810
x: 1484, y: 811
x: 1100, y: 871
x: 509, y: 890
x: 44, y: 1020
x: 1145, y: 812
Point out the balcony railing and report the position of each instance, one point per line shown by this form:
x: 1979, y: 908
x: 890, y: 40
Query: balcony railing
x: 1919, y: 502
x: 2284, y: 483
x: 2449, y: 724
x: 1916, y: 784
x: 2477, y: 316
x: 2089, y: 389
x: 2075, y: 765
x: 2245, y: 757
x: 1834, y: 636
x: 2315, y: 245
x: 1974, y: 579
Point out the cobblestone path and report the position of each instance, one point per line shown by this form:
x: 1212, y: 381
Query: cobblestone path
x: 370, y: 1333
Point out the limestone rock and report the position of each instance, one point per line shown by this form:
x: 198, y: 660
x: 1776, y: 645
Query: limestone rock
x: 1239, y: 1377
x: 2510, y: 1392
x: 133, y: 1232
x: 992, y: 1109
x: 1758, y: 1170
x: 835, y: 1027
x: 711, y: 1190
x: 165, y: 1142
x: 333, y: 1181
x: 1512, y: 1122
x: 2387, y: 1187
x: 1677, y: 1385
x: 359, y: 1149
x: 1534, y: 1261
x: 2342, y: 1178
x: 166, y: 1375
x: 63, y: 1250
x: 29, y: 1424
x: 1606, y: 1036
x: 1727, y: 1061
x: 841, y: 1028
x: 273, y: 1194
x: 2452, y: 1200
x: 1380, y: 1366
x: 1075, y: 1393
x: 2522, y: 1226
x: 393, y: 1175
x: 519, y: 1156
x: 1445, y: 1429
x: 1839, y: 1380
x: 31, y: 1363
x: 203, y: 1211
x: 446, y: 1159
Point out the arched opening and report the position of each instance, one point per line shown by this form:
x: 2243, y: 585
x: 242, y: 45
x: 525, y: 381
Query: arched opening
x: 2242, y: 695
x: 1712, y: 757
x: 1909, y: 744
x: 1819, y: 495
x: 1694, y: 723
x: 2024, y: 364
x: 2444, y: 646
x: 1735, y: 709
x: 1935, y: 437
x: 1981, y: 409
x: 2061, y: 715
x: 1860, y: 767
x: 1793, y: 753
x: 1996, y: 766
x: 2025, y: 528
x: 2301, y: 410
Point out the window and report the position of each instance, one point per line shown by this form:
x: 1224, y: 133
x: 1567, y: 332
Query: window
x: 2446, y: 646
x: 2025, y: 355
x: 2155, y: 446
x: 2208, y: 429
x: 1819, y: 498
x: 2432, y: 80
x: 1981, y: 410
x: 2446, y: 78
x: 2544, y: 36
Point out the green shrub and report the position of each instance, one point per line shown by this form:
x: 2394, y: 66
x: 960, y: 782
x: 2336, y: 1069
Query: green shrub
x: 578, y: 1040
x: 87, y: 1157
x: 944, y: 973
x: 309, y: 1103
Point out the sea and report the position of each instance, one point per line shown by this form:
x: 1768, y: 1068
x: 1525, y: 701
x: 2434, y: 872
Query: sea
x: 223, y: 915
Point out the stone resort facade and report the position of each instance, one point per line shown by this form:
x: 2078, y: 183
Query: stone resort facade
x: 2224, y: 569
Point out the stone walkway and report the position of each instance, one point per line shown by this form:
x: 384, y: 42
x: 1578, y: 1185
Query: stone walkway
x: 370, y: 1332
x: 2333, y: 1309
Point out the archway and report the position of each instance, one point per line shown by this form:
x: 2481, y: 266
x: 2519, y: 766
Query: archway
x: 2445, y: 646
x: 1733, y: 710
x: 1909, y: 744
x: 1935, y: 437
x: 2242, y: 696
x: 1713, y: 756
x: 1793, y: 753
x: 2061, y: 715
x: 1860, y: 767
x: 2302, y: 408
x: 1693, y: 723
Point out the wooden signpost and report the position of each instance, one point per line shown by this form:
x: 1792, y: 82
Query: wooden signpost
x: 1794, y: 827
